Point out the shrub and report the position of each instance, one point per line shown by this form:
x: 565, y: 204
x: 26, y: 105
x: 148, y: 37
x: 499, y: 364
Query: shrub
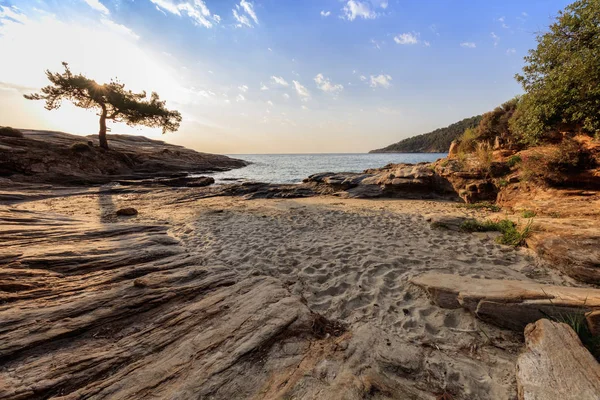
x: 511, y: 236
x: 7, y: 131
x: 80, y: 147
x: 468, y: 141
x: 561, y: 76
x: 513, y: 160
x: 484, y: 155
x: 528, y: 214
x: 502, y: 183
x: 495, y: 123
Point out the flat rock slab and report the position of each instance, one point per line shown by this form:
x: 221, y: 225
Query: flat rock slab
x: 507, y: 303
x: 555, y: 365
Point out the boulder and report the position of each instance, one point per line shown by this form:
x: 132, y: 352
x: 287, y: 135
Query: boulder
x: 577, y: 254
x: 555, y: 365
x: 127, y: 212
x: 508, y: 303
x: 446, y: 221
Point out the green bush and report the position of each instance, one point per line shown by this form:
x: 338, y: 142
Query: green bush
x: 561, y: 77
x: 7, y: 131
x: 511, y: 236
x: 468, y: 141
x: 528, y: 214
x: 513, y: 160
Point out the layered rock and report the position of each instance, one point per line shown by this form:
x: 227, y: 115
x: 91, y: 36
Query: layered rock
x: 394, y: 180
x: 555, y: 365
x: 510, y: 304
x: 54, y: 157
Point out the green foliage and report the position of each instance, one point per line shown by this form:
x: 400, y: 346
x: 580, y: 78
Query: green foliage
x: 468, y: 141
x: 511, y: 235
x: 513, y: 160
x: 484, y: 156
x: 495, y: 123
x: 437, y: 141
x: 112, y: 101
x: 503, y: 183
x: 578, y: 322
x: 562, y: 76
x: 7, y: 131
x: 528, y: 214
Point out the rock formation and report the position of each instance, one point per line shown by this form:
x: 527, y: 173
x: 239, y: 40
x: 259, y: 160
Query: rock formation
x: 54, y: 157
x: 507, y: 303
x: 555, y: 365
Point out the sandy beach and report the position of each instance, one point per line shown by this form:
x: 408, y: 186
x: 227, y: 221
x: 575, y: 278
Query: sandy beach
x: 350, y: 261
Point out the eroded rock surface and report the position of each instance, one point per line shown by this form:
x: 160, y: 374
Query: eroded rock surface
x: 508, y: 303
x: 555, y: 365
x: 55, y: 157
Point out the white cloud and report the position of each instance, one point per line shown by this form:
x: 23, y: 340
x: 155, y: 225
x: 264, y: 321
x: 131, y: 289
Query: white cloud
x: 376, y: 44
x: 380, y: 81
x: 244, y: 14
x: 496, y: 39
x: 469, y: 45
x: 243, y: 88
x: 270, y: 103
x: 325, y: 13
x: 354, y: 8
x: 240, y: 97
x: 270, y: 49
x: 263, y: 87
x: 502, y: 21
x: 383, y: 4
x: 511, y: 51
x: 197, y: 11
x: 304, y: 107
x: 363, y: 78
x: 122, y: 29
x: 301, y: 90
x: 426, y: 43
x: 96, y: 5
x: 12, y: 13
x: 249, y: 9
x: 279, y: 81
x: 325, y: 85
x: 407, y: 38
x: 525, y: 14
x: 286, y: 96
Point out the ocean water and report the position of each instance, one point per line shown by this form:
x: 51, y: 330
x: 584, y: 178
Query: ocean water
x: 292, y: 168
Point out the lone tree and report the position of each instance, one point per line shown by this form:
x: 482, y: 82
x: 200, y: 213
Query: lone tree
x: 111, y: 100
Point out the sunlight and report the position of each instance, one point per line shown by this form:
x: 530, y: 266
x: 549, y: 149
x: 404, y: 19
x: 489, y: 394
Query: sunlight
x: 101, y: 51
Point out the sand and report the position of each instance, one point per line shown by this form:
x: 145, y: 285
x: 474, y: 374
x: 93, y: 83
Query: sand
x: 351, y: 260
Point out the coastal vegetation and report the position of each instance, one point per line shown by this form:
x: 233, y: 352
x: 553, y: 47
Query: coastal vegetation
x: 437, y: 141
x: 112, y: 101
x: 511, y: 234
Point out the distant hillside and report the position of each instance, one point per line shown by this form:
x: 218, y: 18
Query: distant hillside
x: 437, y: 141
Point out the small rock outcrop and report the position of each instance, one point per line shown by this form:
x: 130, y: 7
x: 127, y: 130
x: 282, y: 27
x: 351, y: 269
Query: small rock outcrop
x: 507, y: 303
x: 416, y: 181
x: 555, y: 365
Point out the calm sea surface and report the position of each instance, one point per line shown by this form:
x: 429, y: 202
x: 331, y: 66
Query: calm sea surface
x: 292, y: 168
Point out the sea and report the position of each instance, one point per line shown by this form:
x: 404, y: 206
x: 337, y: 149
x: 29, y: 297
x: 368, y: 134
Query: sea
x: 293, y: 168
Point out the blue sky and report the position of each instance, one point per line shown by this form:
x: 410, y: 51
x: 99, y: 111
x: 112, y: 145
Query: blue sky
x: 277, y: 76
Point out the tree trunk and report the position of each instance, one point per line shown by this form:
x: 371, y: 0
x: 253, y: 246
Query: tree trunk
x: 102, y: 133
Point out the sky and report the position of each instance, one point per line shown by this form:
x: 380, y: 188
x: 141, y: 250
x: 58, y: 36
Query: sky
x: 274, y: 76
